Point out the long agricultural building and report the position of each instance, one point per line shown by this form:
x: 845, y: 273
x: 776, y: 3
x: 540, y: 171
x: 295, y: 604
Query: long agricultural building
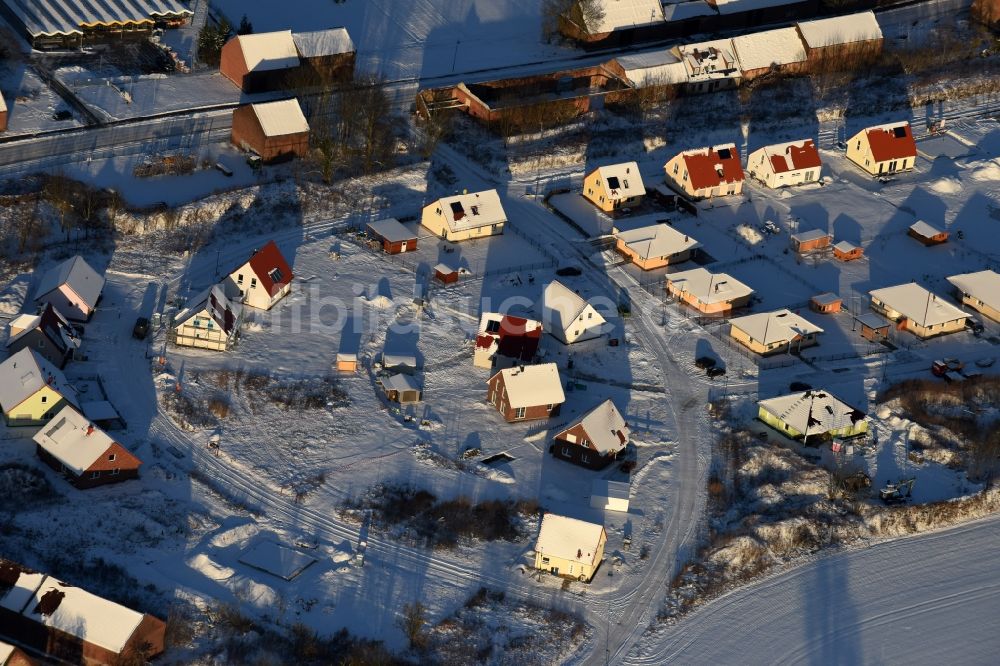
x: 76, y: 23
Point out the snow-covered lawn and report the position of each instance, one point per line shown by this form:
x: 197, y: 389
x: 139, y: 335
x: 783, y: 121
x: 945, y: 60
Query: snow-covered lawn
x: 31, y: 103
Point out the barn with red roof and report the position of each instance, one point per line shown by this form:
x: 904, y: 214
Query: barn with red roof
x: 263, y: 280
x: 705, y: 173
x: 784, y: 164
x: 884, y: 149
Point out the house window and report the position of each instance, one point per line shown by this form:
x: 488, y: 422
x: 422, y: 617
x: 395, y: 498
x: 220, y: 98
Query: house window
x: 685, y: 175
x: 565, y: 451
x: 858, y: 147
x: 111, y: 458
x: 115, y: 471
x: 253, y: 283
x: 95, y: 475
x: 41, y: 343
x: 45, y: 399
x: 585, y: 458
x: 519, y: 413
x: 626, y: 183
x: 590, y: 315
x: 276, y: 275
x: 210, y: 325
x: 601, y: 199
x: 545, y: 560
x: 239, y: 278
x: 675, y: 169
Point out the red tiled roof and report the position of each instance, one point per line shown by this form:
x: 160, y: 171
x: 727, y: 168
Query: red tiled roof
x: 264, y: 261
x: 802, y: 157
x: 886, y: 145
x: 703, y: 168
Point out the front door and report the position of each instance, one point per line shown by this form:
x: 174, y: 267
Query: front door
x: 555, y: 571
x: 892, y: 166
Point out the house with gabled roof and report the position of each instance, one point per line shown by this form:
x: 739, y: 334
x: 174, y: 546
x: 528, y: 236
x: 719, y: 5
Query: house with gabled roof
x: 847, y: 251
x: 569, y: 547
x: 86, y: 455
x: 69, y: 624
x: 263, y: 280
x: 927, y: 234
x: 259, y: 61
x: 980, y: 291
x: 614, y: 186
x: 813, y: 415
x: 32, y: 390
x: 595, y: 439
x: 785, y: 164
x: 48, y: 333
x: 393, y: 236
x: 465, y: 216
x: 326, y: 56
x: 273, y: 130
x: 73, y: 287
x: 774, y: 332
x: 769, y: 51
x: 526, y: 392
x: 504, y: 340
x: 705, y: 173
x: 568, y: 316
x: 210, y: 320
x: 707, y: 292
x: 884, y: 149
x: 810, y: 240
x: 839, y: 41
x: 917, y: 310
x: 655, y: 246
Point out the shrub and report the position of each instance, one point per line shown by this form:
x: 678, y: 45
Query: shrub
x: 219, y: 406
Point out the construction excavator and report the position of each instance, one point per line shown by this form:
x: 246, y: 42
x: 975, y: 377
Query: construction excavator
x: 897, y: 493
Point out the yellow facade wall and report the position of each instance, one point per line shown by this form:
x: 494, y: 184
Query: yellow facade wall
x: 37, y: 409
x: 438, y: 225
x: 569, y: 568
x: 859, y: 428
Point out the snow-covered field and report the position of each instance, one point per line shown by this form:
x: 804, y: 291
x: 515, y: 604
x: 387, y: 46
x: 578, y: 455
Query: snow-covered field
x: 31, y: 103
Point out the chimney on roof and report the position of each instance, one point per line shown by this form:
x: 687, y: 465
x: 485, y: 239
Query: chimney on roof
x: 90, y: 429
x: 51, y: 380
x: 579, y: 553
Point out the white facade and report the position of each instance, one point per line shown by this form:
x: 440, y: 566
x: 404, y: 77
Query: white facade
x: 567, y: 316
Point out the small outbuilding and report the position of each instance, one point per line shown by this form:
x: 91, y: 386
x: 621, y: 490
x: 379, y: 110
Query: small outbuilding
x: 873, y: 327
x: 811, y: 241
x: 610, y: 495
x: 273, y: 130
x: 826, y: 303
x: 395, y: 238
x: 846, y: 251
x: 347, y: 362
x: 446, y: 274
x: 927, y: 234
x: 526, y: 392
x: 569, y: 547
x: 401, y: 388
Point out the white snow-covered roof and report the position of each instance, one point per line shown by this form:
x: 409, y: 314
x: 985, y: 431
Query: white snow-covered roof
x: 84, y: 615
x: 392, y: 230
x: 844, y: 246
x: 99, y: 410
x: 69, y: 17
x: 22, y: 323
x: 778, y: 326
x: 709, y: 287
x: 620, y: 14
x: 533, y: 385
x: 872, y: 320
x: 569, y: 539
x: 398, y: 360
x: 826, y: 298
x: 203, y: 302
x: 78, y: 275
x: 812, y: 412
x: 73, y: 440
x: 737, y: 6
x: 760, y: 50
x: 860, y: 27
x: 924, y: 229
x: 21, y: 591
x: 685, y: 10
x: 984, y: 286
x: 660, y: 67
x: 918, y: 304
x: 708, y: 60
x: 6, y: 649
x: 622, y: 180
x: 53, y: 325
x: 656, y: 240
x: 605, y: 426
x: 563, y: 301
x: 811, y: 235
x: 444, y: 269
x: 400, y: 382
x: 323, y: 42
x: 469, y: 211
x: 264, y: 51
x: 24, y: 374
x: 281, y: 118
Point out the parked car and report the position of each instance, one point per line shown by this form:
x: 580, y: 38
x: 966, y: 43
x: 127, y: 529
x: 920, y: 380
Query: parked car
x: 226, y: 171
x: 795, y: 387
x: 705, y: 362
x: 986, y: 362
x: 715, y: 371
x: 569, y: 271
x: 141, y: 328
x: 941, y: 367
x: 975, y: 326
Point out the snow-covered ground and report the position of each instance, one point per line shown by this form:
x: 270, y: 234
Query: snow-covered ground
x: 31, y: 103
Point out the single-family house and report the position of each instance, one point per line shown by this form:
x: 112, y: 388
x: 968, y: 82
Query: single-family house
x: 774, y: 332
x: 810, y: 241
x: 595, y: 439
x: 394, y: 237
x: 73, y: 287
x: 614, y: 187
x: 526, y: 392
x: 504, y: 340
x: 465, y: 216
x: 11, y: 655
x: 3, y: 114
x: 569, y: 547
x: 710, y: 66
x: 883, y: 149
x: 826, y: 303
x: 706, y: 172
x: 49, y: 333
x: 210, y: 320
x: 401, y: 387
x: 841, y: 42
x: 710, y: 293
x: 980, y: 291
x: 927, y: 234
x: 567, y: 316
x: 70, y: 625
x: 661, y: 69
x: 847, y: 251
x: 84, y: 453
x: 917, y: 310
x: 655, y: 246
x: 610, y: 495
x: 770, y: 51
x: 785, y: 164
x: 873, y: 327
x: 32, y: 390
x: 263, y: 280
x: 274, y: 130
x: 812, y: 415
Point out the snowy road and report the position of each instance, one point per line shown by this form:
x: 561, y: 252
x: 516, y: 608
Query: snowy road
x: 931, y: 599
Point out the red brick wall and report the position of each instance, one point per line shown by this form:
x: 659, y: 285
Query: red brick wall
x: 397, y: 247
x: 232, y: 66
x: 3, y: 121
x: 530, y: 413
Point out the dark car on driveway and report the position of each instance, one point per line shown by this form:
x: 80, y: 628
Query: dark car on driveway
x: 715, y: 371
x: 141, y: 328
x: 795, y: 387
x: 705, y: 362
